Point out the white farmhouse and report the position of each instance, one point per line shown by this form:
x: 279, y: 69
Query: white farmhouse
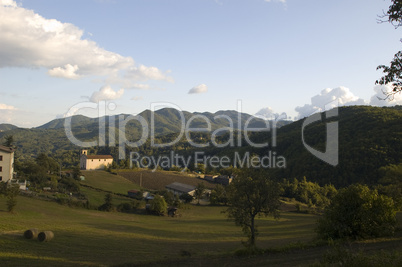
x: 94, y: 162
x: 6, y: 163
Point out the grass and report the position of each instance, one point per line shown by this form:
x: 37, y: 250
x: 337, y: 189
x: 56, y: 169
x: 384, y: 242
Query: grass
x: 202, y: 236
x: 88, y: 237
x: 157, y: 180
x: 108, y: 182
x: 98, y: 183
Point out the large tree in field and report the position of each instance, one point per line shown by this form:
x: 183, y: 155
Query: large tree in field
x: 252, y: 194
x: 393, y: 72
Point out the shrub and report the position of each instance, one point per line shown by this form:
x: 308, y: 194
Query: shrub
x: 357, y: 212
x: 129, y: 206
x: 107, y: 206
x: 158, y: 205
x: 186, y: 198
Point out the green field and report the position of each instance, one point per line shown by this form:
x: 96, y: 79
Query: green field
x: 88, y: 237
x: 108, y: 182
x: 98, y: 183
x: 93, y: 238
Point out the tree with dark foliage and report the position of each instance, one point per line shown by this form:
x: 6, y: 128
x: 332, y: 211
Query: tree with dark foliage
x: 393, y: 72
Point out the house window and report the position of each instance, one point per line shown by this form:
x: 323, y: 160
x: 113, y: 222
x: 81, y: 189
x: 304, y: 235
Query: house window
x: 1, y: 169
x: 1, y: 178
x: 1, y: 158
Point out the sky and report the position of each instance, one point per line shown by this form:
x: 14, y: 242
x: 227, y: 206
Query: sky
x: 263, y: 57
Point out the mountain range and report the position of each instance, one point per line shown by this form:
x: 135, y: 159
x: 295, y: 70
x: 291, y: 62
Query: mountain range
x: 370, y: 138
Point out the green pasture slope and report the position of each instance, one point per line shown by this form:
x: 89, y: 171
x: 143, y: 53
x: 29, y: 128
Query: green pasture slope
x: 98, y: 183
x: 86, y: 237
x: 108, y: 182
x: 94, y: 238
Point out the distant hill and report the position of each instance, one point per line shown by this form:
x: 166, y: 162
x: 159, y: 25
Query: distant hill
x: 7, y: 127
x: 50, y: 138
x: 369, y: 138
x: 77, y: 120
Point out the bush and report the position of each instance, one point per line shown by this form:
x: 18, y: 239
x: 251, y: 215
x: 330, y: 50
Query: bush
x: 186, y: 198
x: 129, y: 206
x: 158, y: 205
x: 357, y: 212
x: 107, y: 206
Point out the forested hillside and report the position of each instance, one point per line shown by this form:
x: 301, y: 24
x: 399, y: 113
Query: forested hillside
x: 370, y: 138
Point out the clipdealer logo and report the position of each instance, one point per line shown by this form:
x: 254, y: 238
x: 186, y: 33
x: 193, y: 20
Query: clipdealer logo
x: 148, y: 131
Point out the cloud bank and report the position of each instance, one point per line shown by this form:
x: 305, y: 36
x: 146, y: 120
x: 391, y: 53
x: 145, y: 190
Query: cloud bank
x: 106, y: 93
x: 29, y: 40
x: 202, y: 88
x: 6, y: 107
x: 327, y: 99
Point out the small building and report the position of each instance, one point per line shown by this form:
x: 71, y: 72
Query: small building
x: 210, y: 178
x: 223, y: 180
x: 180, y: 189
x: 6, y: 163
x: 94, y: 162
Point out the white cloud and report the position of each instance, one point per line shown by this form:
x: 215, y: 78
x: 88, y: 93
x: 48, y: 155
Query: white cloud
x: 326, y: 100
x: 30, y: 40
x: 265, y: 113
x: 8, y: 3
x: 6, y: 107
x: 106, y: 93
x: 202, y: 88
x: 282, y: 1
x: 379, y: 98
x: 143, y: 73
x: 69, y: 72
x: 269, y: 114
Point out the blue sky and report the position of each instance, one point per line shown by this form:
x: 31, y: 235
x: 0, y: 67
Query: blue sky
x: 292, y: 56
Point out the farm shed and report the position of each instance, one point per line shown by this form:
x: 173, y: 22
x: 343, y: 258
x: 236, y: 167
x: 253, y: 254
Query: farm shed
x: 179, y: 188
x: 210, y: 178
x: 223, y: 179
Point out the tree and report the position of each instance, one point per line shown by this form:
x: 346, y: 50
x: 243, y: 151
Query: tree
x: 187, y: 198
x: 11, y: 192
x: 158, y: 205
x: 76, y: 172
x: 107, y: 206
x: 393, y: 73
x: 251, y: 196
x: 218, y: 196
x: 357, y: 212
x: 199, y: 192
x: 9, y: 141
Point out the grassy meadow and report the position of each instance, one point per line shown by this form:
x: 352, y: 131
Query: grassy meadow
x: 89, y: 237
x: 201, y: 236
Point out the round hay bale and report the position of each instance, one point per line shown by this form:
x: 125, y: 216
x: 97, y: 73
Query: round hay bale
x: 45, y: 236
x: 31, y: 233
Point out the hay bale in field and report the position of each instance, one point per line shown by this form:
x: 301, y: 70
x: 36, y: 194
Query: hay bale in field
x: 45, y: 236
x: 31, y: 233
